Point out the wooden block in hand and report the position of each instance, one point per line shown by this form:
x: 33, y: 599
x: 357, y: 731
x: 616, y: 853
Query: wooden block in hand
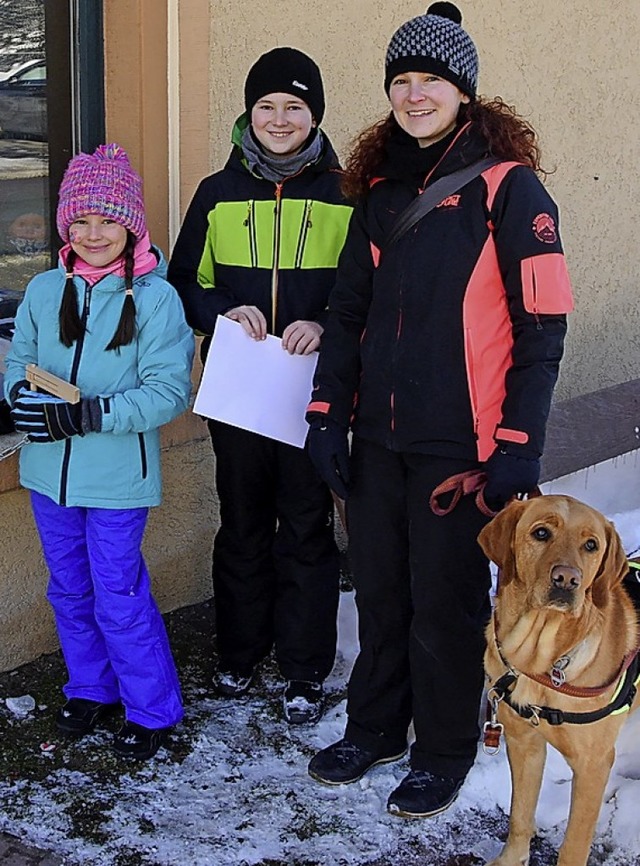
x: 39, y: 378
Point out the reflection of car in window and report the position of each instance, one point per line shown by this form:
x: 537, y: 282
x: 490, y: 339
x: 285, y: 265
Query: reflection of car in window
x: 23, y: 103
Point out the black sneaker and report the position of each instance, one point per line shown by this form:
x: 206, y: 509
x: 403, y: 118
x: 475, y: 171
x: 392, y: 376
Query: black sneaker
x: 344, y: 762
x: 303, y: 702
x: 136, y: 741
x: 421, y: 794
x: 79, y: 716
x: 232, y: 684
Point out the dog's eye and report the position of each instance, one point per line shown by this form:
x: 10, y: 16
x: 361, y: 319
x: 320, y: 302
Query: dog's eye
x: 541, y: 533
x: 591, y: 544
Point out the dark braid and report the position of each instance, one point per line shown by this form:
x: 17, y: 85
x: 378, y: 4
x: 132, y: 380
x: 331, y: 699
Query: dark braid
x: 125, y: 332
x: 70, y: 324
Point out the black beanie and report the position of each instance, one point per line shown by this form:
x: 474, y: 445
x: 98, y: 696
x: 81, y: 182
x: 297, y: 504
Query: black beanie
x: 286, y: 70
x: 434, y: 43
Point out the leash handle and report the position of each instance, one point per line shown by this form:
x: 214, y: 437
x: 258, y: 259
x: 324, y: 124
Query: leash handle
x: 461, y: 485
x: 473, y: 481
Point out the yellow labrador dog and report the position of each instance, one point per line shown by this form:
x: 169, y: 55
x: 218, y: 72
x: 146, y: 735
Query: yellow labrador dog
x: 561, y: 658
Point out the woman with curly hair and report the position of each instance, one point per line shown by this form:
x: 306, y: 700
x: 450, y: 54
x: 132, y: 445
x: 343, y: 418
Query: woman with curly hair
x: 441, y: 351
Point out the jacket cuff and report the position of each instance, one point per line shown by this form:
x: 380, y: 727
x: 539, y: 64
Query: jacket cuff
x: 318, y: 407
x: 91, y: 416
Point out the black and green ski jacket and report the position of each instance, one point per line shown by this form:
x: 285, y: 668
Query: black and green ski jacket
x: 247, y: 240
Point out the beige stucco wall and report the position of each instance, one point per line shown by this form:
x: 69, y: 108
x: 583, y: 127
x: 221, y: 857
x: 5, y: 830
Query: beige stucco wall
x: 135, y: 62
x: 570, y: 67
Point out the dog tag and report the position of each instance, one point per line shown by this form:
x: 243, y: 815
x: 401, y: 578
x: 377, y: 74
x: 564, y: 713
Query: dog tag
x: 558, y: 677
x: 491, y: 738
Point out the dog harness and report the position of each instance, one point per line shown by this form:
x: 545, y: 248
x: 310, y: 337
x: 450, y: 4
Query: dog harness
x: 628, y: 677
x: 620, y: 702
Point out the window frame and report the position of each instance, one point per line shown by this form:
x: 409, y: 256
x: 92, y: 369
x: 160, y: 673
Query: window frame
x: 74, y: 48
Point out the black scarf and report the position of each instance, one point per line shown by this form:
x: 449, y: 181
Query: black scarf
x: 406, y: 160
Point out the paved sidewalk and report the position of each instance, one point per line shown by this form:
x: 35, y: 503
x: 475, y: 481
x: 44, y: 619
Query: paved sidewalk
x: 14, y: 853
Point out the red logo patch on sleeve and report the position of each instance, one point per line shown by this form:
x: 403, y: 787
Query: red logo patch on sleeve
x: 544, y: 228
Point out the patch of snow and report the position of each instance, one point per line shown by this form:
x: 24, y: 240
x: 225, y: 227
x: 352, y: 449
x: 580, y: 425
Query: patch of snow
x: 21, y: 706
x: 240, y: 795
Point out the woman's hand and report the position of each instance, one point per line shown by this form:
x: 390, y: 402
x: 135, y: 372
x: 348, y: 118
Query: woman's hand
x: 251, y: 319
x: 301, y: 338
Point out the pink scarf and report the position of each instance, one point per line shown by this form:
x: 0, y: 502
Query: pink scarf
x: 144, y: 261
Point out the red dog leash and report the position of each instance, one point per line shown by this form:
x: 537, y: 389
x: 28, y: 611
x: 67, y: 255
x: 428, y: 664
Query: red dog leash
x: 473, y: 481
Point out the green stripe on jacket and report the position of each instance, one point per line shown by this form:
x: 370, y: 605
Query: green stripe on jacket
x: 241, y: 233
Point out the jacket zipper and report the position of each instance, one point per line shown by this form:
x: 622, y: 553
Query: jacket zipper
x: 277, y: 217
x: 276, y: 255
x: 534, y: 299
x: 400, y: 296
x: 398, y: 334
x: 64, y: 475
x: 250, y: 223
x: 473, y: 388
x: 143, y: 454
x: 304, y: 230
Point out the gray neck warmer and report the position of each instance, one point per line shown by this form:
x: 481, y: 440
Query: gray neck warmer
x: 275, y: 168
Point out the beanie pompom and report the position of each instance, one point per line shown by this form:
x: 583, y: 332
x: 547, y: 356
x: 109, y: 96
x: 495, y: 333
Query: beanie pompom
x: 112, y: 151
x: 446, y: 10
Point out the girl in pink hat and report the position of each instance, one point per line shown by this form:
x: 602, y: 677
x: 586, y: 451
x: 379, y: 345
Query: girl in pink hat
x: 106, y: 321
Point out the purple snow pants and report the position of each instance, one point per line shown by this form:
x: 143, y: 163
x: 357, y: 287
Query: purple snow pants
x: 112, y: 635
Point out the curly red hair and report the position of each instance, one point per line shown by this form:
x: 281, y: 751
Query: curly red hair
x: 508, y: 135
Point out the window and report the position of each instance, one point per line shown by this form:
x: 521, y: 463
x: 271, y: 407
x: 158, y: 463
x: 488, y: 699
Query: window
x: 51, y: 106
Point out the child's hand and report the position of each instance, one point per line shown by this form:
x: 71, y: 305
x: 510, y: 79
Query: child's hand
x: 251, y: 319
x: 45, y: 418
x: 301, y: 338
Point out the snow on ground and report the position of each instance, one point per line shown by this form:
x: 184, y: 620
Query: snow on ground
x: 233, y: 789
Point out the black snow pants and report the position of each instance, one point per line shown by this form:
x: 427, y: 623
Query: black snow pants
x: 422, y: 593
x: 275, y: 560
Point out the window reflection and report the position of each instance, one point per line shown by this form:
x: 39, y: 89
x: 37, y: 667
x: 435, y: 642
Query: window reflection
x: 24, y: 158
x: 24, y: 153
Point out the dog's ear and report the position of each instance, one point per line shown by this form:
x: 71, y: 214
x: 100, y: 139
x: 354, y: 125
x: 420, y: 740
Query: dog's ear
x: 613, y: 568
x: 496, y: 539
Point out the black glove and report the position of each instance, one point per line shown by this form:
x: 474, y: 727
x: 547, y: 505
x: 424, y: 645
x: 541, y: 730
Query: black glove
x: 507, y: 475
x: 49, y: 419
x: 19, y: 386
x: 328, y: 448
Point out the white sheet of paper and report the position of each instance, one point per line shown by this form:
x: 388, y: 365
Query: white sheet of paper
x: 255, y: 384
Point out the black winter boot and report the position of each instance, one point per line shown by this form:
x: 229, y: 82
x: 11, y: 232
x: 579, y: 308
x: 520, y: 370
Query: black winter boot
x: 302, y: 702
x: 137, y: 742
x: 344, y: 762
x: 79, y: 716
x: 421, y: 794
x: 233, y: 684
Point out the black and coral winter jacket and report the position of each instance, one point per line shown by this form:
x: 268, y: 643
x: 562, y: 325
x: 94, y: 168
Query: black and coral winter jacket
x: 449, y: 341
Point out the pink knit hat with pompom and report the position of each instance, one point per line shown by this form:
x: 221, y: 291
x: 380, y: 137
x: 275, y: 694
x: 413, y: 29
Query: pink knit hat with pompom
x: 103, y: 183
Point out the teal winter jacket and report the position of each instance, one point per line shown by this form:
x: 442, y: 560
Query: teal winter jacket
x: 141, y: 386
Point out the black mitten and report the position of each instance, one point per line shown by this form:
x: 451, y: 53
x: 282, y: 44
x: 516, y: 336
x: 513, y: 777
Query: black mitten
x: 328, y: 447
x: 508, y: 475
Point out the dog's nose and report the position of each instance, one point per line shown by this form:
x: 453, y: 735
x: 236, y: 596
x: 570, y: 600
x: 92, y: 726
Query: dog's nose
x: 566, y: 577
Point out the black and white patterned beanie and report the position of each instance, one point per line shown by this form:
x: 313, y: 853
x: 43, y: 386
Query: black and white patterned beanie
x: 434, y: 42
